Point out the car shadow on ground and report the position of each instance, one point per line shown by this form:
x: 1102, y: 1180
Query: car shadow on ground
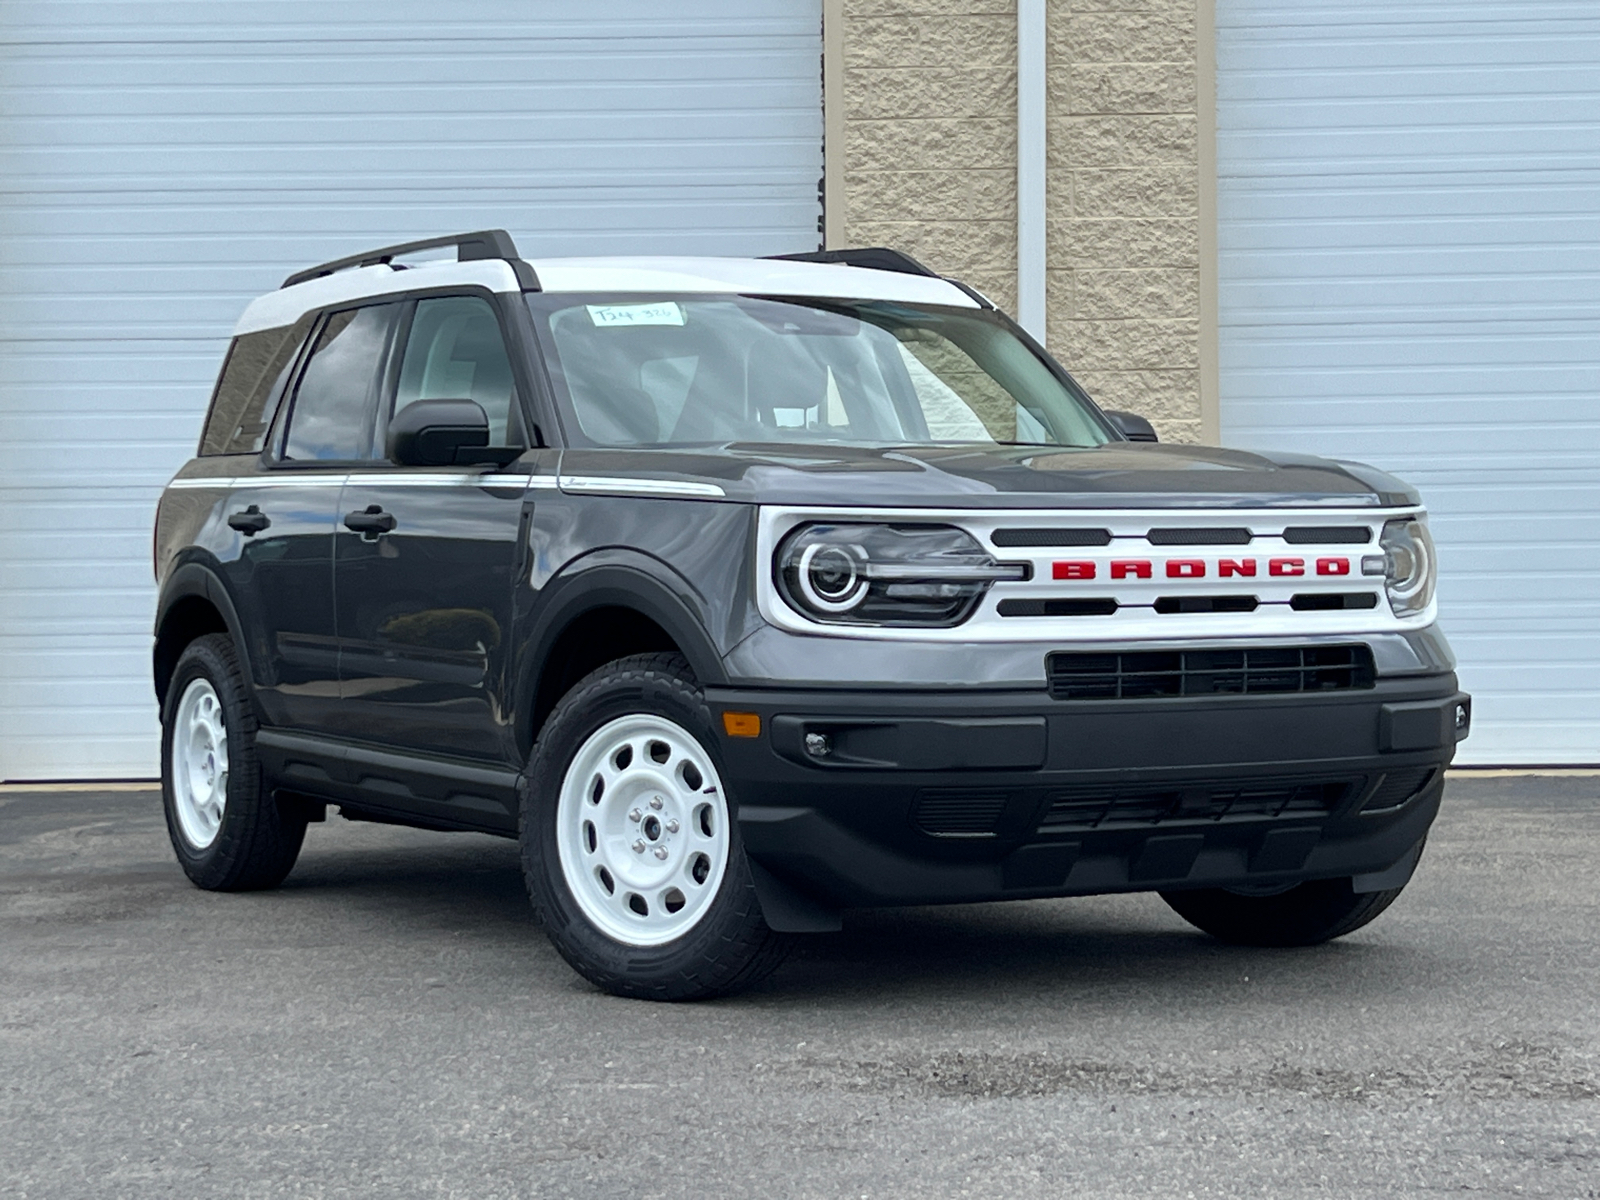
x: 1083, y: 946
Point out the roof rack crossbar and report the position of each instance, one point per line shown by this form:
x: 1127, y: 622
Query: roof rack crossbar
x: 873, y: 258
x: 470, y: 247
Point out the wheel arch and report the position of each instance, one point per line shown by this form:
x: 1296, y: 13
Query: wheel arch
x: 599, y: 613
x: 193, y: 603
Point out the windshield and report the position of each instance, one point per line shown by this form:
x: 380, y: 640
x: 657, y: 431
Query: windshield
x: 685, y: 370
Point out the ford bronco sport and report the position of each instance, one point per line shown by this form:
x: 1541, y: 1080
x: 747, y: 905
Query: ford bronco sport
x: 746, y: 591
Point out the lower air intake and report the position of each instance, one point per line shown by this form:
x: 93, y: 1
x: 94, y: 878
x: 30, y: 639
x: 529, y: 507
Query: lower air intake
x: 1101, y: 808
x: 1398, y: 788
x: 1146, y: 674
x: 959, y: 812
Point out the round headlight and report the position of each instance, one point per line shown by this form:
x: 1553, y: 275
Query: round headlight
x: 830, y: 576
x: 885, y: 574
x: 1410, y: 571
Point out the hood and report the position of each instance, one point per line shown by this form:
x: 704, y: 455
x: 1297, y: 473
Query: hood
x: 1117, y: 475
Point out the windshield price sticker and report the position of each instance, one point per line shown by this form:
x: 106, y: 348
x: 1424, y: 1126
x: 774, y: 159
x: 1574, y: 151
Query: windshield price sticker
x: 665, y: 313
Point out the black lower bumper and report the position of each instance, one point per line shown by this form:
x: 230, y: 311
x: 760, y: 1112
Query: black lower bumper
x: 862, y: 798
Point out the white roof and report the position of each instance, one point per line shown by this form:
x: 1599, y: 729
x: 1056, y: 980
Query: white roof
x: 740, y: 276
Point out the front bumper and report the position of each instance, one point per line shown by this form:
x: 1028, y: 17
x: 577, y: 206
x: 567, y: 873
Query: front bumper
x: 937, y: 797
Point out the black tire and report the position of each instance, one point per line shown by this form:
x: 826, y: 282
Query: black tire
x: 1306, y: 915
x: 256, y: 842
x: 730, y: 947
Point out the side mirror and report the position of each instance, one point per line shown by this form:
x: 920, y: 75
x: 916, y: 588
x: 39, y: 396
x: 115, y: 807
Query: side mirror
x: 1134, y: 427
x: 437, y: 433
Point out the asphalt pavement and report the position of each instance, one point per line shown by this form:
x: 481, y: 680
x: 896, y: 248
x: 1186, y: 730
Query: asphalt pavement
x: 391, y: 1023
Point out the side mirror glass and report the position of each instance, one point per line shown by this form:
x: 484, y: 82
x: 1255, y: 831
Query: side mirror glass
x: 1134, y: 427
x: 437, y: 433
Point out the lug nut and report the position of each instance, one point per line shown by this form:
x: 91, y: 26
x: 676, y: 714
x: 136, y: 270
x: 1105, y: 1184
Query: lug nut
x: 661, y: 853
x: 636, y: 816
x: 638, y: 846
x: 672, y: 826
x: 657, y: 803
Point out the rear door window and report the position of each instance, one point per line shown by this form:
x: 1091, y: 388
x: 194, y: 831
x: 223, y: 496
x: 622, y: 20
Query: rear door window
x: 338, y: 393
x: 248, y: 390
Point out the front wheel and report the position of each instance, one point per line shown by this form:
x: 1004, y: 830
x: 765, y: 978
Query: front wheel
x: 1307, y: 914
x: 630, y: 843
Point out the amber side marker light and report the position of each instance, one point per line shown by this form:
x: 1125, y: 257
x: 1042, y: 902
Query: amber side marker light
x: 740, y: 724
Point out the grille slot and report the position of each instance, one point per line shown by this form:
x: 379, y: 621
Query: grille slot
x: 1142, y: 674
x: 1199, y: 537
x: 1327, y: 535
x: 1323, y: 601
x: 1397, y: 788
x: 1103, y: 808
x: 1057, y: 608
x: 1206, y: 604
x: 959, y: 812
x: 1051, y: 537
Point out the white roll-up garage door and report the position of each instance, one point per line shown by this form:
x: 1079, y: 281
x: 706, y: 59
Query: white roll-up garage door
x: 163, y: 162
x: 1409, y: 268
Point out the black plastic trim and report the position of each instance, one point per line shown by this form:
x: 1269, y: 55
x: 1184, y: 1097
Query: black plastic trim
x: 871, y: 258
x: 195, y: 579
x: 442, y: 792
x: 480, y: 245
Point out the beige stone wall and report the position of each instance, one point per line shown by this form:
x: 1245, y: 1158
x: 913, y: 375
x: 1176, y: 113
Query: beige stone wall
x: 930, y: 167
x: 1123, y: 250
x: 930, y: 141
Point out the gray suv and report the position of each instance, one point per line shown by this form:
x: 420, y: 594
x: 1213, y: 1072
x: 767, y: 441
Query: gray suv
x: 746, y: 591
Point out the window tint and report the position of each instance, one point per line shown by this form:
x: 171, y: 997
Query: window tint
x: 251, y: 381
x: 338, y: 391
x: 455, y: 352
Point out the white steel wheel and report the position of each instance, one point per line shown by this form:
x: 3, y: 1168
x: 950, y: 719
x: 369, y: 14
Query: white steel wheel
x: 199, y: 764
x: 642, y: 830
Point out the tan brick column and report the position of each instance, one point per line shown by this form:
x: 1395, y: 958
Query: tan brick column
x: 929, y: 166
x: 1123, y: 241
x: 930, y: 157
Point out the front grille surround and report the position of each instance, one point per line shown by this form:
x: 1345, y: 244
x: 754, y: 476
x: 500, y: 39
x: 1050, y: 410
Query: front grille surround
x: 1154, y: 674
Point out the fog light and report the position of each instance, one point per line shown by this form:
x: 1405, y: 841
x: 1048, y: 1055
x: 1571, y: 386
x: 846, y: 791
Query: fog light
x: 1463, y: 718
x: 818, y: 745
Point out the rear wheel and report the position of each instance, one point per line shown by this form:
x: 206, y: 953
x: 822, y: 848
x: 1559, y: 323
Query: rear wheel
x: 630, y: 844
x: 228, y: 833
x: 1304, y: 915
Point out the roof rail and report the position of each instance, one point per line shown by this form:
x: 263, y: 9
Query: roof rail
x: 872, y: 258
x: 470, y: 247
x: 881, y: 258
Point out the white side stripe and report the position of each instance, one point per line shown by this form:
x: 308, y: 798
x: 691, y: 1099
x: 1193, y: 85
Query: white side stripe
x: 638, y: 487
x: 232, y: 482
x: 587, y: 484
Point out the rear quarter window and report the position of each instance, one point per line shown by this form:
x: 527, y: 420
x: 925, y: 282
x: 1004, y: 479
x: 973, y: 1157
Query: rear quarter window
x: 249, y: 387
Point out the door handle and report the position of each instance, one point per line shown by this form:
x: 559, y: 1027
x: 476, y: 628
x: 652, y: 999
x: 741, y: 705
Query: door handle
x: 249, y: 522
x: 372, y: 522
